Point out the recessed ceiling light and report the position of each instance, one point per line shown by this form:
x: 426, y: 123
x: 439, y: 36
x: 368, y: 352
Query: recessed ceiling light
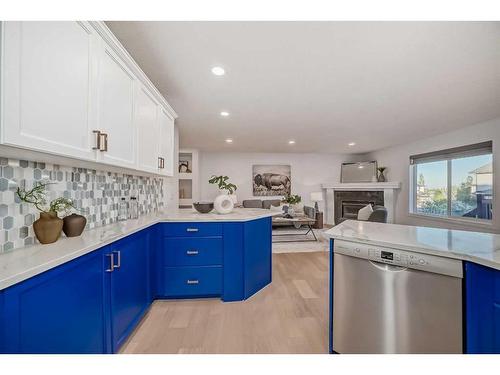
x: 229, y: 140
x: 218, y: 71
x: 224, y: 114
x: 291, y: 142
x: 351, y: 144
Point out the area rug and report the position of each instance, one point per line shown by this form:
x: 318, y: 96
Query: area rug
x: 300, y: 247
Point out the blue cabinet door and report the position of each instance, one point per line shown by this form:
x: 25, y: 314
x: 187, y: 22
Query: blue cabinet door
x: 130, y: 287
x: 59, y: 311
x: 257, y: 255
x: 482, y: 303
x: 2, y: 319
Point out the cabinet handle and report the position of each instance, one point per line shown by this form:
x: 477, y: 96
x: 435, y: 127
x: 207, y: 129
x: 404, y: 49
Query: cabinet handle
x: 159, y: 162
x: 192, y: 252
x: 192, y: 230
x: 162, y: 163
x: 104, y: 143
x: 192, y: 282
x: 118, y: 260
x: 97, y: 140
x: 111, y: 262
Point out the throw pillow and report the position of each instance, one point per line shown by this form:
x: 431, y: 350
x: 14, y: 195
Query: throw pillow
x: 365, y: 212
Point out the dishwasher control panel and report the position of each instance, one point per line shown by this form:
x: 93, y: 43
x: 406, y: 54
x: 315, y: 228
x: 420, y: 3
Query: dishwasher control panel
x: 401, y: 258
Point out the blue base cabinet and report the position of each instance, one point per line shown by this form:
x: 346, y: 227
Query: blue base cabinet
x: 59, y: 311
x: 93, y: 303
x: 2, y: 320
x: 130, y: 294
x: 482, y: 305
x: 227, y: 260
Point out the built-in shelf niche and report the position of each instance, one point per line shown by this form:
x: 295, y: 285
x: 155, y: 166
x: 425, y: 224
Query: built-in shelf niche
x: 188, y: 172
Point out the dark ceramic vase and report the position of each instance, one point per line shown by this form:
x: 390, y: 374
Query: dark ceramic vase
x: 381, y: 176
x: 48, y: 227
x: 74, y: 225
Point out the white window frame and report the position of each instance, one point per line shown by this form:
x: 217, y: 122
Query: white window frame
x: 413, y: 178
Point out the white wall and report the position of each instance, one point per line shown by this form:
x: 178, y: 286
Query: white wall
x: 396, y: 159
x: 308, y: 171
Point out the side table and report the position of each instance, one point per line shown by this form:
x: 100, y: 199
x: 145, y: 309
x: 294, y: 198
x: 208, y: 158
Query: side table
x: 319, y: 221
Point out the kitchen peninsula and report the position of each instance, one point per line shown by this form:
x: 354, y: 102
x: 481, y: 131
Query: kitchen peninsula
x: 94, y: 289
x: 428, y: 290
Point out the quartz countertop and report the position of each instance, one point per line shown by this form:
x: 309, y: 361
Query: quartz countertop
x: 21, y: 264
x: 480, y: 248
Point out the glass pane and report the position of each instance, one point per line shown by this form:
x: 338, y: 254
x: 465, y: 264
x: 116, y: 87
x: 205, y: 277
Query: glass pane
x: 431, y: 188
x: 472, y: 187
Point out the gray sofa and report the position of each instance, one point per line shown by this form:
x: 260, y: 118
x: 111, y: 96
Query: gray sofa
x: 267, y: 203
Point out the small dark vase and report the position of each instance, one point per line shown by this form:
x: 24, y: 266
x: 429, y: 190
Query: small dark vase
x: 74, y: 225
x: 381, y: 176
x: 48, y: 227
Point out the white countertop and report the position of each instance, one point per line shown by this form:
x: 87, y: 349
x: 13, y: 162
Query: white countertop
x: 21, y: 264
x: 480, y: 248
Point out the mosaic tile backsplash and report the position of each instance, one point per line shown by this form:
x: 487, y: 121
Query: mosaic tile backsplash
x: 96, y: 195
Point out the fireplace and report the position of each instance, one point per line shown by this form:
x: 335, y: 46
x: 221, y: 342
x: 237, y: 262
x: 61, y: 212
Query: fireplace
x: 357, y: 195
x: 348, y: 203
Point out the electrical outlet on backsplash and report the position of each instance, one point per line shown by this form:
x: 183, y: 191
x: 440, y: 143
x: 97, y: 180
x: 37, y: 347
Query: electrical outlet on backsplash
x: 95, y: 194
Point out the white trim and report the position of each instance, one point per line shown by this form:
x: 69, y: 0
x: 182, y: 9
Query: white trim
x: 480, y: 223
x: 374, y: 186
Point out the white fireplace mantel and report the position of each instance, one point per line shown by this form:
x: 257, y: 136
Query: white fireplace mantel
x: 387, y: 187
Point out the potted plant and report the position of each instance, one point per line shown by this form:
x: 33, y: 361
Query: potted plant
x: 293, y: 201
x: 48, y: 226
x: 224, y: 203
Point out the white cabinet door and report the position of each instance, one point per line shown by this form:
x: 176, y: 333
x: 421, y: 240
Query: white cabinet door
x: 166, y: 124
x: 116, y: 110
x: 49, y: 78
x: 146, y: 120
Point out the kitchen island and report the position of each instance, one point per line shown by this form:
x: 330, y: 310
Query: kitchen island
x: 450, y: 274
x: 94, y: 289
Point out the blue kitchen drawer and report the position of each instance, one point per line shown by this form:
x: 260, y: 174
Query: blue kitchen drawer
x: 192, y: 229
x: 203, y: 281
x: 192, y: 252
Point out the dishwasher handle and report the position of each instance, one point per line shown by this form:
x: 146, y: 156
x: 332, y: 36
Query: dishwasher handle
x: 387, y: 267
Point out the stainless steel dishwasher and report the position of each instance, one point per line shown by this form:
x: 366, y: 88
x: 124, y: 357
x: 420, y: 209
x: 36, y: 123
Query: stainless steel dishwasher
x: 387, y: 300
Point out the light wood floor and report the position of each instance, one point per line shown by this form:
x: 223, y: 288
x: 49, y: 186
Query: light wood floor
x: 288, y: 316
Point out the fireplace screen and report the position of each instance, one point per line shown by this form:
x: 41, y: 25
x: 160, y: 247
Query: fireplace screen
x: 348, y: 203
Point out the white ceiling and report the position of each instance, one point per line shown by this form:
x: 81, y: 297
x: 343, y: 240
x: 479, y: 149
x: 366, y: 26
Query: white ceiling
x: 323, y: 84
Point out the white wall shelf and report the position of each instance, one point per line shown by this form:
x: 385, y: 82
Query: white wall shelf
x: 189, y: 185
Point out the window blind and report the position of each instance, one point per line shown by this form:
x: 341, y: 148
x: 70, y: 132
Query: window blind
x: 453, y: 153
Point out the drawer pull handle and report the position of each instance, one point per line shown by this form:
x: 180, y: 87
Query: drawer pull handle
x: 193, y: 282
x: 192, y: 252
x: 192, y: 230
x: 111, y: 262
x: 119, y: 259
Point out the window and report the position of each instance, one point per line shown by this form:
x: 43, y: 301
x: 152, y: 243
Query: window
x: 454, y: 183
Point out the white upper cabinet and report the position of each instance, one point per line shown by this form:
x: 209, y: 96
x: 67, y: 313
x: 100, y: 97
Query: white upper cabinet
x: 146, y: 120
x: 71, y: 89
x: 49, y: 74
x: 166, y: 151
x: 116, y: 125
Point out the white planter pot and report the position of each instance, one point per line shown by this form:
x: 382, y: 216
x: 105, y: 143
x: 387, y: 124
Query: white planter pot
x: 223, y: 204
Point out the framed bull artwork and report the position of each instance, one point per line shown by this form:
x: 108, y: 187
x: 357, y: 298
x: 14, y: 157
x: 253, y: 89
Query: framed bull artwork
x: 271, y: 180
